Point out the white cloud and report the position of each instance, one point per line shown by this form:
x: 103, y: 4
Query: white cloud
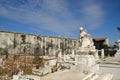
x: 53, y: 15
x: 93, y: 14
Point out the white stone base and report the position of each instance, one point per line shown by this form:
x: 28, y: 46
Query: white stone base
x: 85, y: 68
x: 87, y: 60
x: 85, y: 63
x: 117, y: 55
x: 94, y: 68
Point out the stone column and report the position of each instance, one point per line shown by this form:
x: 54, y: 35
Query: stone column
x: 102, y: 53
x: 60, y: 56
x: 117, y: 55
x: 96, y: 55
x: 45, y: 45
x: 59, y: 43
x: 73, y: 53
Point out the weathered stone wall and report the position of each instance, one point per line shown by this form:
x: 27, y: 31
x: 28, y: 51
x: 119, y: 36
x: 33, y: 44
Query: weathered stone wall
x: 19, y: 43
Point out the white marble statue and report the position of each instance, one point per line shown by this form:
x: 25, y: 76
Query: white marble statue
x: 85, y: 40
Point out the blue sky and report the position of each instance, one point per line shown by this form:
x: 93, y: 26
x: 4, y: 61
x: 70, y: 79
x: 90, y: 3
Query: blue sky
x: 62, y: 17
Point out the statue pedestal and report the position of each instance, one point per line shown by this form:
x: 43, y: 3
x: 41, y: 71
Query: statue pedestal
x: 85, y: 63
x: 117, y: 55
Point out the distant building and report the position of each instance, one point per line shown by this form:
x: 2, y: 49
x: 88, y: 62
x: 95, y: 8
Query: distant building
x: 101, y: 43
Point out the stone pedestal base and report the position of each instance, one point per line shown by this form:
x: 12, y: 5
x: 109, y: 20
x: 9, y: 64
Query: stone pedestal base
x: 117, y: 55
x: 85, y: 63
x: 94, y: 68
x: 85, y: 68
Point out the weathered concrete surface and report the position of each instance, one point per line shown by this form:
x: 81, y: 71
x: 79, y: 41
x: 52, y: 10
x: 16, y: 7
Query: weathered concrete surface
x: 112, y: 65
x: 114, y: 69
x: 66, y: 75
x: 6, y: 42
x: 13, y: 43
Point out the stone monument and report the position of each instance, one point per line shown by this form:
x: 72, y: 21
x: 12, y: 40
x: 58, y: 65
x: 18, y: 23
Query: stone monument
x: 117, y: 55
x: 86, y: 45
x: 86, y: 59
